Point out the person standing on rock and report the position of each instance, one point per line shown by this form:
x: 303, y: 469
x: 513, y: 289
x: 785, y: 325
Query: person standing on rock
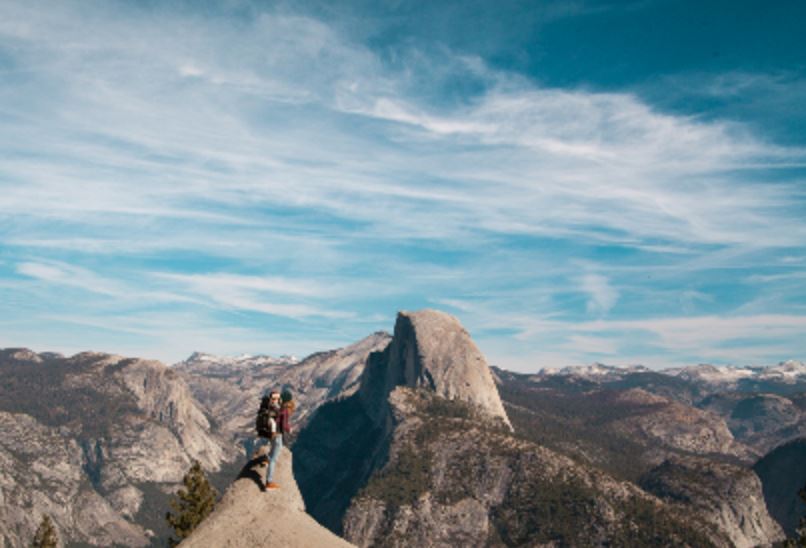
x: 283, y: 428
x: 266, y: 423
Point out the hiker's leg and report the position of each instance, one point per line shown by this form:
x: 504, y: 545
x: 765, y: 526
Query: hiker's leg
x: 261, y: 448
x: 276, y: 447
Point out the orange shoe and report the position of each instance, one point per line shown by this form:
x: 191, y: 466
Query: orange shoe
x: 272, y: 485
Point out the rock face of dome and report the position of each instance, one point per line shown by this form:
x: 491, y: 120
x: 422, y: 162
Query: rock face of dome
x: 430, y: 349
x: 430, y: 354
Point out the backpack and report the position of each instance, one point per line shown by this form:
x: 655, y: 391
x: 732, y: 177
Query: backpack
x: 263, y: 420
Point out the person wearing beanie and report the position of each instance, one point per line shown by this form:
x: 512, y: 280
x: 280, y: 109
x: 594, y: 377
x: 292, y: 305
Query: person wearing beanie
x: 283, y: 429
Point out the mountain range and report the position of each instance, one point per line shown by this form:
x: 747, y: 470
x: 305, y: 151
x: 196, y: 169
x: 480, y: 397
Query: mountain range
x: 410, y: 437
x: 97, y: 442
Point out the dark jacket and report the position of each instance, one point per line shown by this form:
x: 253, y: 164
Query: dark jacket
x: 284, y: 421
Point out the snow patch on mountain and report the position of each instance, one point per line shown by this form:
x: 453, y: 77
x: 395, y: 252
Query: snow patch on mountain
x: 788, y: 372
x: 594, y: 371
x: 201, y: 361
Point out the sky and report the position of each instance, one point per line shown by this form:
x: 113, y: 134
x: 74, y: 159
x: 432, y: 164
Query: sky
x: 620, y: 182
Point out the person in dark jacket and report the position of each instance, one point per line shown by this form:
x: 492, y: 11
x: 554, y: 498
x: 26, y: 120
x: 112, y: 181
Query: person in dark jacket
x: 283, y: 429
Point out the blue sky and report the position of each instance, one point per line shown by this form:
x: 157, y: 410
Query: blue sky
x: 576, y: 181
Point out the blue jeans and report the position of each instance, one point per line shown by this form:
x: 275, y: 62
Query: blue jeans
x: 274, y: 454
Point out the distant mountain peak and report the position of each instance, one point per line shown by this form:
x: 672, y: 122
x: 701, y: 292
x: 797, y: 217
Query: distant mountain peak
x: 592, y: 371
x: 789, y: 371
x: 201, y: 360
x: 431, y: 349
x: 20, y: 354
x: 789, y: 368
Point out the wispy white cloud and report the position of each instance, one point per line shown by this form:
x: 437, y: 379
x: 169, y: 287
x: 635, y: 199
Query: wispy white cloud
x: 62, y: 274
x: 601, y: 295
x: 272, y: 284
x: 281, y: 145
x: 696, y: 334
x: 543, y: 161
x: 543, y: 341
x: 581, y: 344
x: 690, y: 299
x: 265, y: 294
x: 268, y: 295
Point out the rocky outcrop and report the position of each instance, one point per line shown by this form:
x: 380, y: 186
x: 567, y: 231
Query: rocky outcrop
x: 728, y: 496
x: 42, y: 471
x: 432, y: 350
x: 783, y: 474
x: 677, y: 426
x: 761, y: 421
x: 81, y: 438
x: 761, y: 406
x: 249, y: 515
x: 615, y: 426
x: 450, y: 480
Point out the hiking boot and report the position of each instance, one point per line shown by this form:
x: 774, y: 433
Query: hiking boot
x: 272, y: 485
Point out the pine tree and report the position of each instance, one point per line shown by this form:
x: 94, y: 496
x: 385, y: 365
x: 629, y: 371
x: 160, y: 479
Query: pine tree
x: 800, y: 540
x: 45, y: 536
x: 191, y: 504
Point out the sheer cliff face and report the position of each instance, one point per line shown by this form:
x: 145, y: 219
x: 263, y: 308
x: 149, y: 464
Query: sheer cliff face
x: 728, y: 496
x: 783, y: 474
x: 81, y: 436
x: 432, y: 350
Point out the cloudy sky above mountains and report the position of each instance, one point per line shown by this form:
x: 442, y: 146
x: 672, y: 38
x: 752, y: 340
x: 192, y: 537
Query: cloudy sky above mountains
x: 576, y: 181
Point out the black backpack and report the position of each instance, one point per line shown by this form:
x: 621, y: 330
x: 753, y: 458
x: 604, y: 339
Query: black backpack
x: 262, y: 422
